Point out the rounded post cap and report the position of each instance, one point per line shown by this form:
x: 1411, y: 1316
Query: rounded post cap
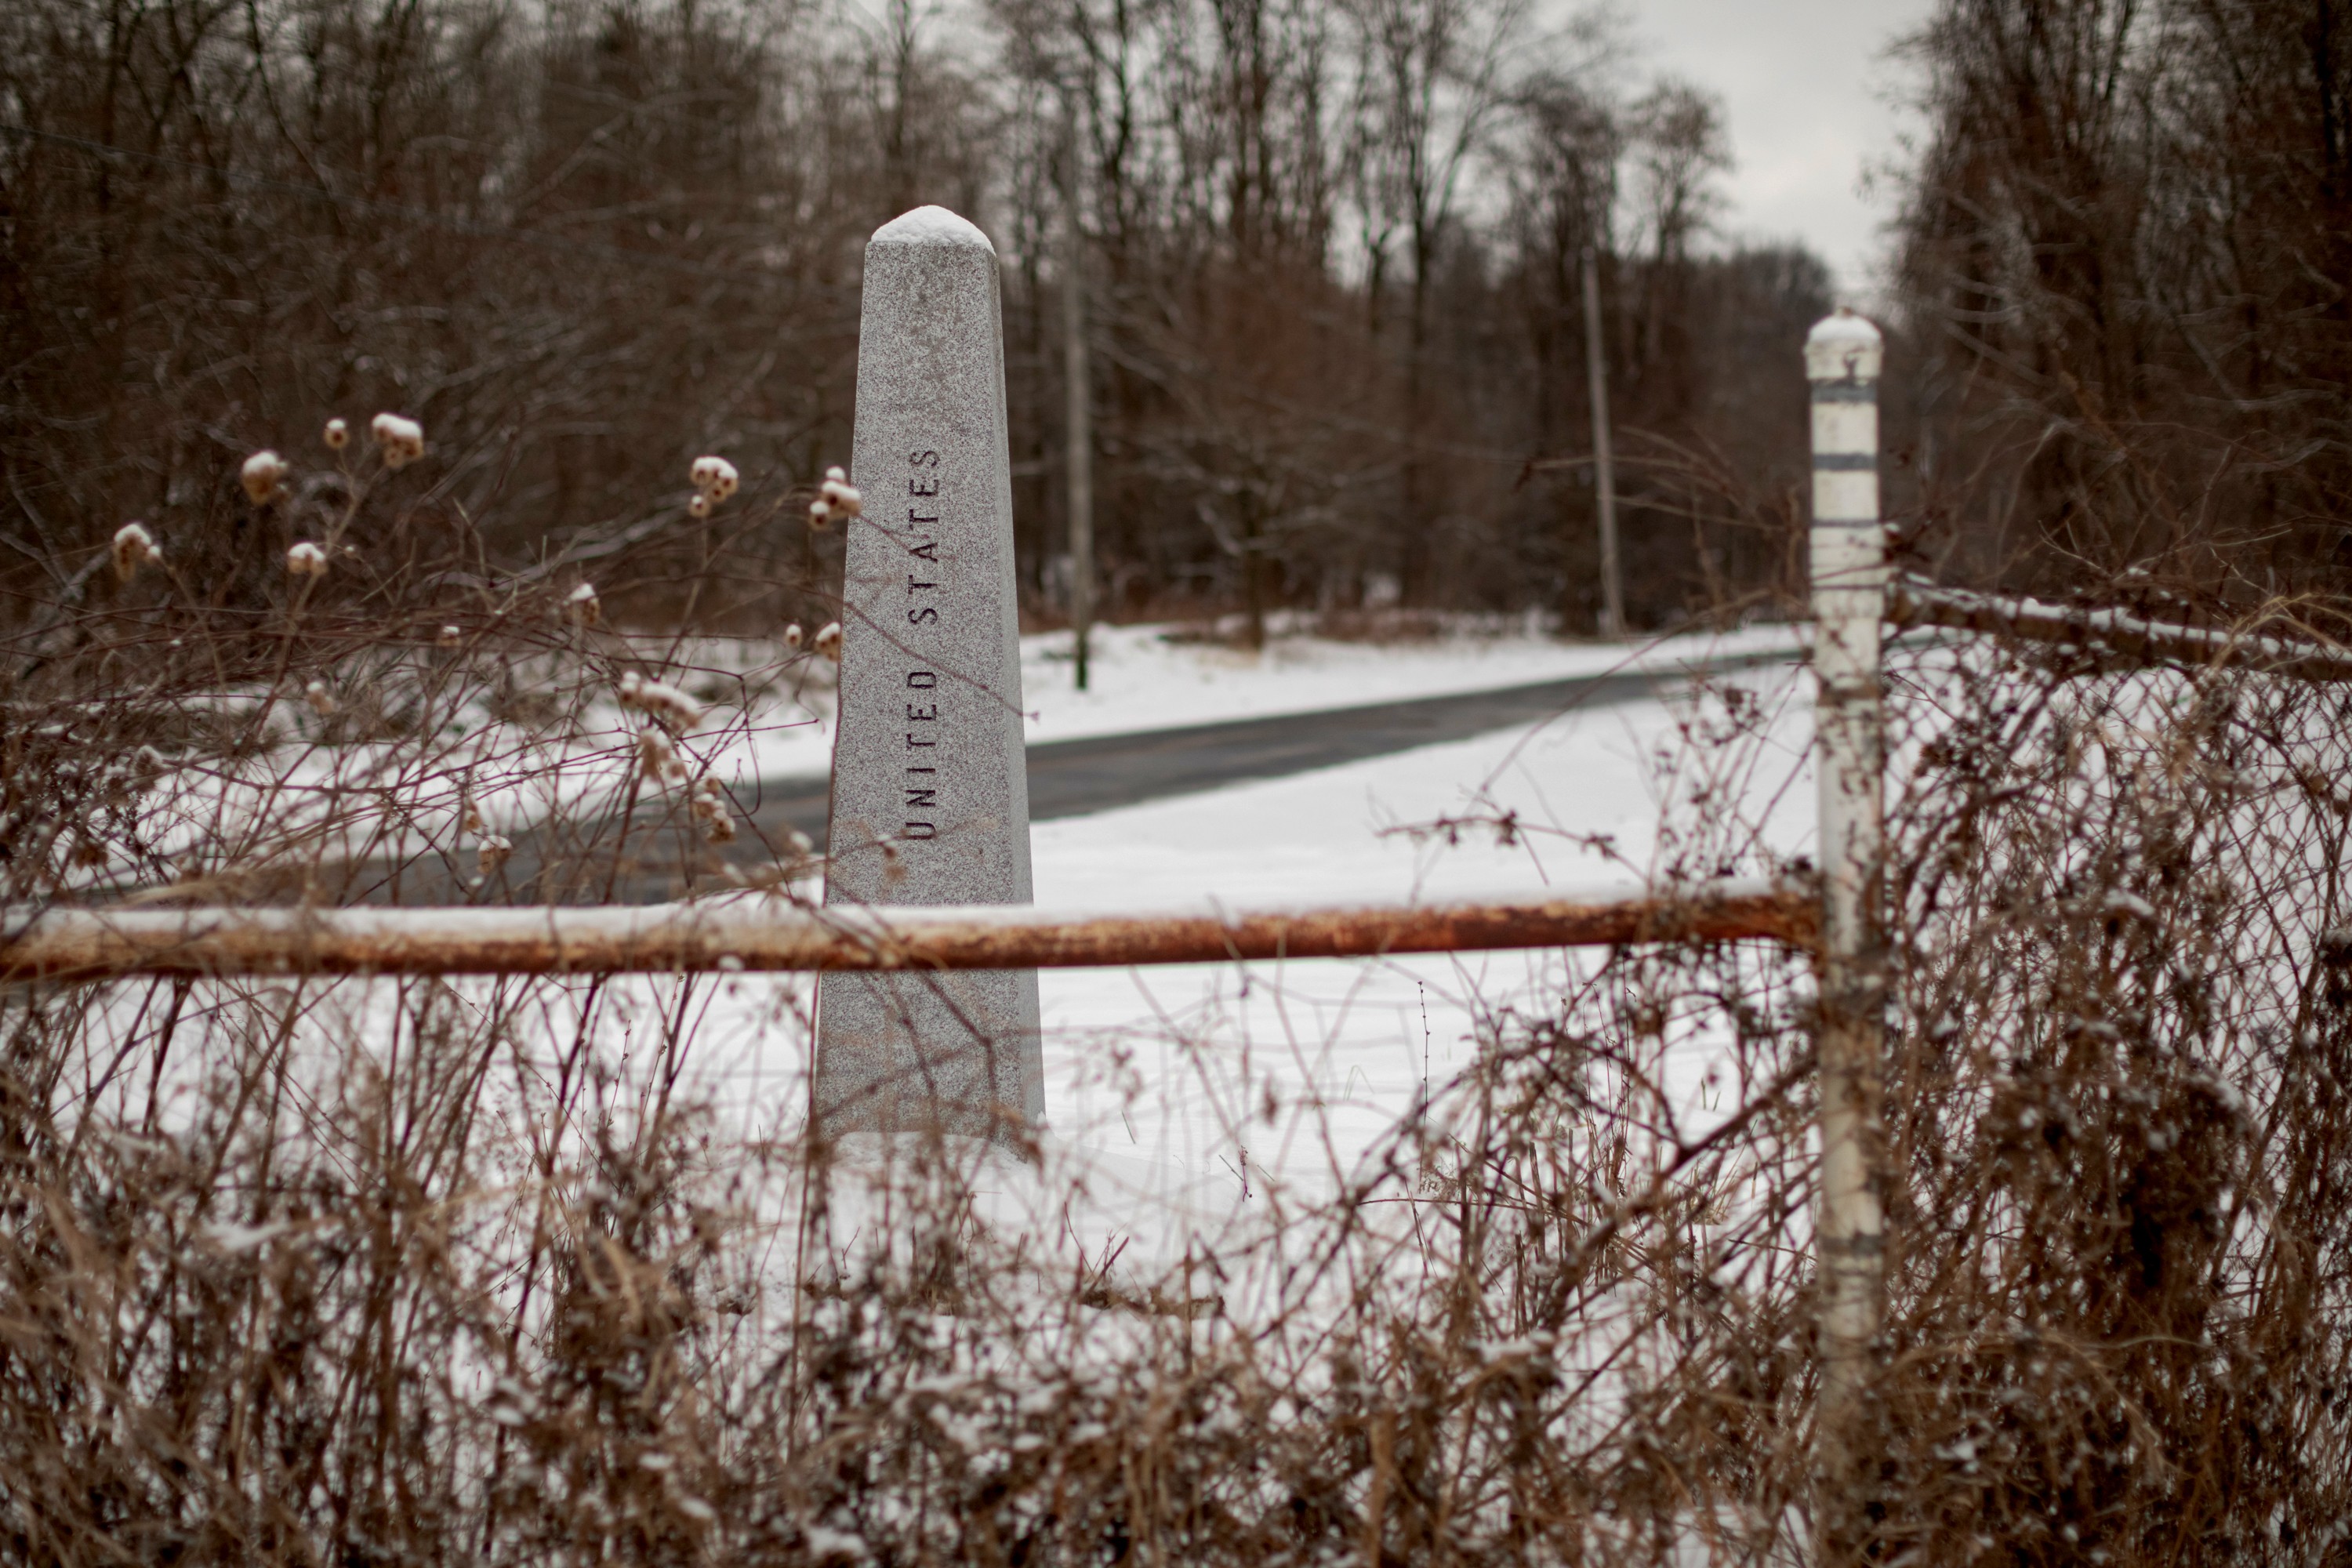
x: 1843, y: 346
x: 933, y: 225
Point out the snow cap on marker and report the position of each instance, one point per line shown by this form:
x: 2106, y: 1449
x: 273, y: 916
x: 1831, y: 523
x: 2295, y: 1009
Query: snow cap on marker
x: 933, y: 225
x: 1843, y: 346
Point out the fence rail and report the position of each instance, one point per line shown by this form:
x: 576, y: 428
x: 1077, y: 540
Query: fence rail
x: 92, y: 943
x: 70, y: 945
x: 2114, y: 632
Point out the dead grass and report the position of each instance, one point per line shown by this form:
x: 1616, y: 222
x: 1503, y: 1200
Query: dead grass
x: 297, y: 1272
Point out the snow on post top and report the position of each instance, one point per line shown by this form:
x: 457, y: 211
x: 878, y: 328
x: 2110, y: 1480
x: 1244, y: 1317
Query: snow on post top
x: 932, y: 225
x: 1843, y: 346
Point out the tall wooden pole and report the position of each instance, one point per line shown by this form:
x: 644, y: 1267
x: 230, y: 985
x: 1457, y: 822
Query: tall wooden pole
x: 1842, y: 357
x: 1604, y: 462
x: 1077, y: 376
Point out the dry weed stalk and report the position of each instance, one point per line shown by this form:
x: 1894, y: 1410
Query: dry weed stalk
x: 306, y: 1271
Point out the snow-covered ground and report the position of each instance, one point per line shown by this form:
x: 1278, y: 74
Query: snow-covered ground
x: 1183, y: 1094
x: 1160, y: 1076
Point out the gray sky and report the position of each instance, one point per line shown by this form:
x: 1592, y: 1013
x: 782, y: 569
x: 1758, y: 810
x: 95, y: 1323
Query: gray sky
x: 1806, y: 83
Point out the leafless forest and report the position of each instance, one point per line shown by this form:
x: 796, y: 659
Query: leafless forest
x: 298, y: 1271
x: 2124, y: 263
x: 1334, y: 255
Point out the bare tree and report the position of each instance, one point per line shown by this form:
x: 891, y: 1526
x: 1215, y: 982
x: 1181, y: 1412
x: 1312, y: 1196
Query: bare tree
x: 2122, y: 251
x: 1432, y: 78
x: 529, y: 229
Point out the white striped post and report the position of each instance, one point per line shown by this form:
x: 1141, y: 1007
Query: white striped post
x: 1842, y: 357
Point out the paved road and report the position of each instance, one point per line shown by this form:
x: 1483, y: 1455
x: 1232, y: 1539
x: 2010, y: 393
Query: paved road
x: 1072, y: 778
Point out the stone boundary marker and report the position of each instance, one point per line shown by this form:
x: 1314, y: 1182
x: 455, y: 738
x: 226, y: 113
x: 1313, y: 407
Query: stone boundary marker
x: 930, y: 794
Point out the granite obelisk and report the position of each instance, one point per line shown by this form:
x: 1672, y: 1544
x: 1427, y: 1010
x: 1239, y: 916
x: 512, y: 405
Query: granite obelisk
x: 931, y: 792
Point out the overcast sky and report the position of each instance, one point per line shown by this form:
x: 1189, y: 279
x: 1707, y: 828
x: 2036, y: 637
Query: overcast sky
x: 1806, y: 83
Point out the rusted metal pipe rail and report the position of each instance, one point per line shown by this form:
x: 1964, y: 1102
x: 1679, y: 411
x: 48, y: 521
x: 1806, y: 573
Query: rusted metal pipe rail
x: 1914, y: 603
x: 79, y: 944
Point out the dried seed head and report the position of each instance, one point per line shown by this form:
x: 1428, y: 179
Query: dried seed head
x: 839, y: 496
x: 660, y: 699
x: 828, y: 641
x: 697, y: 505
x: 716, y: 478
x: 655, y: 756
x: 337, y: 434
x: 133, y: 548
x: 321, y: 701
x: 400, y: 440
x: 837, y: 474
x: 820, y: 512
x: 261, y: 475
x: 584, y: 608
x: 793, y: 637
x: 473, y: 817
x: 711, y: 810
x: 450, y: 636
x: 306, y: 560
x: 493, y: 852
